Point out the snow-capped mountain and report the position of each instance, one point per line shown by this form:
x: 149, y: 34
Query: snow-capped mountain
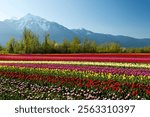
x: 39, y: 26
x: 14, y: 28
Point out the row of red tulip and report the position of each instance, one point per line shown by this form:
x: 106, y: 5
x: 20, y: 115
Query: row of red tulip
x: 141, y: 59
x: 128, y: 55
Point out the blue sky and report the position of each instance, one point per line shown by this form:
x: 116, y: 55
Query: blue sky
x: 117, y: 17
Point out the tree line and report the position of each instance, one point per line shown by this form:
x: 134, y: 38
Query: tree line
x: 30, y: 44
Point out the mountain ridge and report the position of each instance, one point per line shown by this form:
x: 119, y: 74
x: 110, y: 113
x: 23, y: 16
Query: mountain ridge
x: 14, y: 28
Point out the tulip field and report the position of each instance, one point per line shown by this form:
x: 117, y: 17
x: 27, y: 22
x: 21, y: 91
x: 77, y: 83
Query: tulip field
x: 75, y: 76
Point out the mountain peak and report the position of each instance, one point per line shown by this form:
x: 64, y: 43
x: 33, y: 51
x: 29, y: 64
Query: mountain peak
x: 29, y: 17
x: 82, y: 31
x: 29, y: 14
x: 31, y: 21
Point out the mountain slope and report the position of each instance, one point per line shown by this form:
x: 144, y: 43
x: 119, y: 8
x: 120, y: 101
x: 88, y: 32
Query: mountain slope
x: 124, y: 41
x: 14, y: 28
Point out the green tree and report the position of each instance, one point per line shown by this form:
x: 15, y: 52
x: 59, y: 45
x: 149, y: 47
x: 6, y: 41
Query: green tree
x: 36, y: 46
x: 114, y: 47
x: 1, y: 48
x: 65, y: 46
x: 109, y: 48
x: 93, y: 47
x: 11, y: 44
x: 86, y: 46
x: 30, y: 42
x: 75, y: 45
x: 46, y: 44
x: 21, y: 47
x: 17, y: 48
x: 27, y: 40
x: 53, y: 46
x: 146, y: 49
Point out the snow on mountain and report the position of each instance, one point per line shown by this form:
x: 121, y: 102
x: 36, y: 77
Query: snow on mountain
x: 29, y: 20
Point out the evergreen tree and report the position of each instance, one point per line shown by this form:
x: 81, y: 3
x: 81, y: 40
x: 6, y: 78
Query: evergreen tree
x: 1, y: 48
x: 11, y: 44
x: 27, y: 40
x: 46, y: 44
x: 93, y: 47
x: 36, y: 46
x: 65, y: 46
x: 75, y: 45
x: 53, y: 46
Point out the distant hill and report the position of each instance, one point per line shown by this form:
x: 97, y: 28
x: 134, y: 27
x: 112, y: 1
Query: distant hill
x: 14, y: 28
